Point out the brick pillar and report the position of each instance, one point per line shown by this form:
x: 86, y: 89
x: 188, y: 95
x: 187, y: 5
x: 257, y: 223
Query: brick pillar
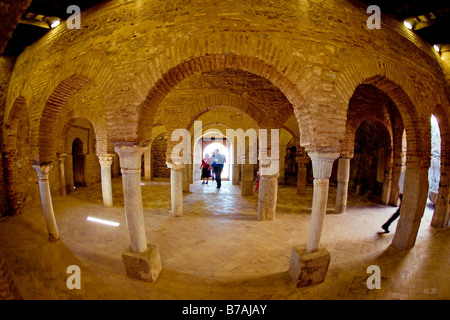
x: 343, y: 175
x: 62, y: 173
x: 302, y: 174
x: 413, y: 205
x: 10, y: 189
x: 395, y: 189
x: 106, y: 161
x: 42, y: 171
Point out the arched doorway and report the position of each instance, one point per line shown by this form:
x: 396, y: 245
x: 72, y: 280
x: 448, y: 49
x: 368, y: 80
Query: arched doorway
x: 371, y: 159
x: 79, y: 178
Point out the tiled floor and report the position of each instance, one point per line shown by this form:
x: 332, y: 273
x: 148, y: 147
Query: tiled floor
x: 219, y: 250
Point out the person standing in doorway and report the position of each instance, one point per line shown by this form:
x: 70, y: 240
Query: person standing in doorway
x: 217, y: 163
x: 205, y: 167
x: 394, y: 216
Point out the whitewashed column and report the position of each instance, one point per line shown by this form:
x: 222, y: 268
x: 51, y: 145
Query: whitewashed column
x: 106, y: 161
x: 42, y: 171
x: 176, y: 188
x: 322, y: 164
x: 130, y: 162
x: 343, y: 176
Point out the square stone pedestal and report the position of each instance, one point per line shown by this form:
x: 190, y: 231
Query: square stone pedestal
x: 143, y: 265
x: 308, y: 268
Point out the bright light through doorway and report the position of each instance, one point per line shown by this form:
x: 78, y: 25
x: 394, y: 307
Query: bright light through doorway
x: 223, y: 150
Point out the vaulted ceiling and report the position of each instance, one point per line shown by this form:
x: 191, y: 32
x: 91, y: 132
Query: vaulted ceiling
x: 23, y: 22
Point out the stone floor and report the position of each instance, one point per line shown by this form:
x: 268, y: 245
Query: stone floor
x: 219, y: 250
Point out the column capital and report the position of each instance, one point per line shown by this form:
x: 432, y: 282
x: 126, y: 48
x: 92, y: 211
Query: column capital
x: 42, y: 170
x: 303, y: 160
x: 322, y: 163
x: 175, y: 166
x: 105, y: 159
x: 129, y: 155
x: 61, y: 156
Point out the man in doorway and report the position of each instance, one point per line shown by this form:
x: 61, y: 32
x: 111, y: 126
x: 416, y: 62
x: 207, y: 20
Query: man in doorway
x: 217, y: 163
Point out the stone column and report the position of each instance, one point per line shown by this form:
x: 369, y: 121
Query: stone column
x: 62, y: 173
x: 343, y: 175
x: 322, y: 165
x: 106, y: 161
x: 309, y: 263
x: 148, y: 176
x: 268, y: 191
x: 176, y: 188
x: 42, y: 171
x: 302, y: 174
x: 130, y: 162
x: 142, y: 261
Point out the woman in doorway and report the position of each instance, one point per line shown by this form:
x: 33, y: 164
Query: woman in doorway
x: 205, y: 167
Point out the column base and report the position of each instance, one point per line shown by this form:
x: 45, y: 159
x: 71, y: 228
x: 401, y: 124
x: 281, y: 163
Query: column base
x: 53, y: 238
x: 143, y: 265
x: 405, y: 234
x: 308, y: 268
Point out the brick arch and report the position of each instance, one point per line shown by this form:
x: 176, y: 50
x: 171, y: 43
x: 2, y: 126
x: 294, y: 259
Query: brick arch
x: 398, y: 86
x: 217, y: 106
x: 417, y: 129
x: 100, y: 134
x: 98, y: 123
x: 48, y: 123
x: 211, y: 62
x: 392, y: 82
x: 352, y: 128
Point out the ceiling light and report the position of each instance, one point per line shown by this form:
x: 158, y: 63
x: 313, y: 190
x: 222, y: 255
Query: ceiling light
x: 110, y: 223
x: 55, y: 23
x: 407, y: 25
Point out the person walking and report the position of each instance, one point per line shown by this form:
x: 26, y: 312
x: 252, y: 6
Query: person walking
x: 394, y: 216
x: 217, y: 163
